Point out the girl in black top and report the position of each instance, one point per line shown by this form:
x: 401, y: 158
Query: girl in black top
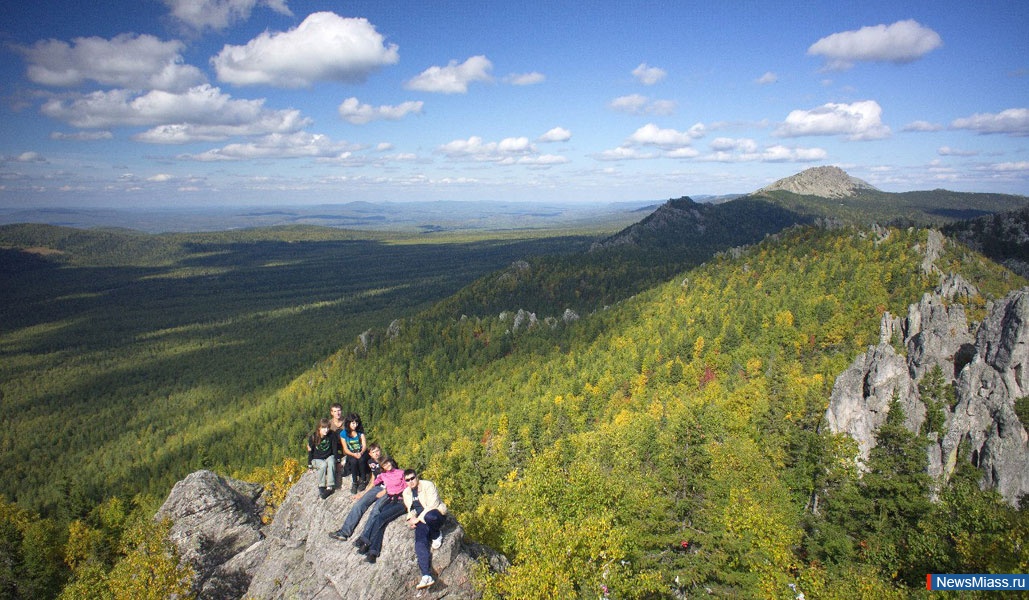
x: 322, y: 449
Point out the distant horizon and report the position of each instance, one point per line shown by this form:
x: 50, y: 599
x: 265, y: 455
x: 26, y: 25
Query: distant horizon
x: 281, y: 102
x: 399, y: 215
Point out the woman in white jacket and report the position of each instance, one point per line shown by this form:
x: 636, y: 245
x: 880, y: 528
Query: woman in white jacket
x: 426, y: 514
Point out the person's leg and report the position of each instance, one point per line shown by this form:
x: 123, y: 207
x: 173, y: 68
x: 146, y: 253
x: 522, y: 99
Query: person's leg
x: 421, y: 548
x: 370, y: 522
x: 356, y: 512
x: 354, y: 465
x: 320, y: 466
x: 424, y: 533
x: 366, y: 471
x: 435, y: 520
x: 387, y: 513
x: 330, y: 475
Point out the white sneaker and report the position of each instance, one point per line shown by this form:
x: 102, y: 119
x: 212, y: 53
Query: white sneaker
x: 425, y: 582
x: 436, y: 543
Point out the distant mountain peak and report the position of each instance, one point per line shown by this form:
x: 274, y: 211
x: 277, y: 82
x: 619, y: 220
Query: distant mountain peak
x: 827, y: 182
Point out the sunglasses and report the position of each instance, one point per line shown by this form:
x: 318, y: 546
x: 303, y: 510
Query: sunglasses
x: 410, y: 478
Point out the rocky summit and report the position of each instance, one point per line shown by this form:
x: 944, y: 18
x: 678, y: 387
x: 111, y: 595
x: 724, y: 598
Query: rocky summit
x: 826, y: 182
x: 217, y: 529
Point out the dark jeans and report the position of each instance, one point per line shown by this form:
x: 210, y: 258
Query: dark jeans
x: 357, y: 467
x: 354, y: 516
x: 389, y: 509
x: 424, y: 533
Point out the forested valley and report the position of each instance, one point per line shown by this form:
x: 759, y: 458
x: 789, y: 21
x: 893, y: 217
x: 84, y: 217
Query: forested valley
x: 616, y: 425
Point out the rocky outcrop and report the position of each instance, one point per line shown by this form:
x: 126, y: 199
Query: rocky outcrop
x: 826, y: 182
x: 862, y: 394
x: 216, y: 525
x: 217, y: 529
x: 990, y: 371
x: 987, y: 388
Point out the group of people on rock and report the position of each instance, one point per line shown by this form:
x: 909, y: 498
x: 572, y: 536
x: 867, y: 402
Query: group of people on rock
x: 379, y: 487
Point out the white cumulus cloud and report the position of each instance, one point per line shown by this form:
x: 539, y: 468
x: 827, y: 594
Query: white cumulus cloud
x: 724, y: 144
x: 353, y: 111
x: 901, y: 42
x: 453, y: 78
x: 652, y: 135
x: 1013, y: 121
x: 779, y: 153
x: 203, y: 111
x: 648, y: 75
x: 922, y: 126
x: 767, y: 78
x: 81, y: 136
x: 637, y: 104
x: 624, y: 153
x: 557, y: 134
x: 1009, y: 167
x: 508, y: 151
x: 948, y: 151
x: 295, y: 145
x: 525, y: 78
x: 476, y: 148
x: 219, y: 14
x: 737, y: 150
x: 324, y: 47
x: 856, y: 121
x: 125, y: 61
x: 29, y: 157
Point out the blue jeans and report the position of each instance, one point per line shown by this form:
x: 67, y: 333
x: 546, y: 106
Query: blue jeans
x: 424, y: 533
x: 354, y: 516
x: 326, y: 469
x: 389, y: 509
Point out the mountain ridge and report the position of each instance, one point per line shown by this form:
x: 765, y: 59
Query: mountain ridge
x: 820, y: 193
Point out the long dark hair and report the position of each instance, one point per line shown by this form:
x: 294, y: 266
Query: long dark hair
x: 316, y: 437
x: 348, y: 419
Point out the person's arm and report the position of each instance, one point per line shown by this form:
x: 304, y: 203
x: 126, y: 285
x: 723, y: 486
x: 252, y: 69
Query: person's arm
x: 364, y: 446
x: 408, y: 501
x: 346, y: 449
x: 428, y: 495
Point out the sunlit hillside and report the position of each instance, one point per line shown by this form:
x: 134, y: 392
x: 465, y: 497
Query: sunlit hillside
x: 671, y: 442
x: 612, y: 425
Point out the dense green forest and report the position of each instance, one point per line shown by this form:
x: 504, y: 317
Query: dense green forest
x: 130, y: 350
x: 672, y: 442
x: 667, y: 442
x: 925, y: 208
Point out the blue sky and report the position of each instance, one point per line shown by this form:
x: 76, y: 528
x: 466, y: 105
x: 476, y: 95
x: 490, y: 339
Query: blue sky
x: 169, y: 103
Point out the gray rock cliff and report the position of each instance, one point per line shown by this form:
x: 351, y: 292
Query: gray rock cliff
x: 217, y: 528
x: 989, y: 371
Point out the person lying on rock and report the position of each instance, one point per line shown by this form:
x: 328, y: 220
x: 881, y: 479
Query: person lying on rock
x: 322, y: 448
x: 426, y: 514
x: 387, y: 508
x: 365, y: 500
